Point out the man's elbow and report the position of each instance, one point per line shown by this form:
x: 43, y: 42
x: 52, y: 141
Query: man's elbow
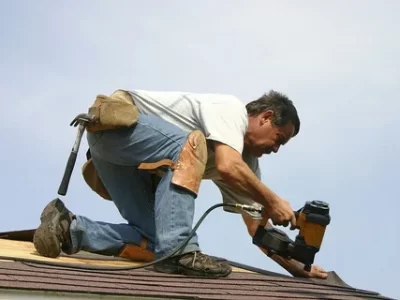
x: 227, y: 162
x: 226, y: 171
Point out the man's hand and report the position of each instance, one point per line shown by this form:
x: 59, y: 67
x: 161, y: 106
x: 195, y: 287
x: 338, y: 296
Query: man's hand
x: 281, y: 213
x: 297, y: 271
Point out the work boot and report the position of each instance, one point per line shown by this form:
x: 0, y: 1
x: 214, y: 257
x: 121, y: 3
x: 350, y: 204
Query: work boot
x: 53, y: 233
x: 194, y: 264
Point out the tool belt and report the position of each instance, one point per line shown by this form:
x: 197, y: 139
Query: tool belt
x: 116, y: 111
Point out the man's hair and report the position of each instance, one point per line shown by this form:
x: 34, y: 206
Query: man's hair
x: 280, y: 104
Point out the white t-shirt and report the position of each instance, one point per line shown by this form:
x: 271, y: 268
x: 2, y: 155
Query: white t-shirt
x: 220, y: 117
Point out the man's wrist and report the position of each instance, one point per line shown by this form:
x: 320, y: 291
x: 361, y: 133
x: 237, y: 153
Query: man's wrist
x: 270, y: 201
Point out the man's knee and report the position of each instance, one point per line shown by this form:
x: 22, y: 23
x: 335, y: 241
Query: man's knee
x: 190, y: 167
x: 138, y: 252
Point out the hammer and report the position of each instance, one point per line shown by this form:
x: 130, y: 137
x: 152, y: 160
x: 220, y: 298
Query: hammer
x: 81, y: 120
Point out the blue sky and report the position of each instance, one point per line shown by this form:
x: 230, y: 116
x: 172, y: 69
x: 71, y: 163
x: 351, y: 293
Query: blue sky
x: 338, y: 61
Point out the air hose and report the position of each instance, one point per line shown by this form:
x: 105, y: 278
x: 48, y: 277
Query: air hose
x: 37, y: 263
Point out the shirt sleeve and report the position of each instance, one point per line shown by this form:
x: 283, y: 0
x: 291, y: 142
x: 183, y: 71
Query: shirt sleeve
x: 225, y: 121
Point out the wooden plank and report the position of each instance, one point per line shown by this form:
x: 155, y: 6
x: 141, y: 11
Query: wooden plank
x: 19, y: 249
x: 26, y: 250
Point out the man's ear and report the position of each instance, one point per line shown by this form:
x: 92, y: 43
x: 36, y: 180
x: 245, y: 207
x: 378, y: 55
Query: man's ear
x: 266, y: 116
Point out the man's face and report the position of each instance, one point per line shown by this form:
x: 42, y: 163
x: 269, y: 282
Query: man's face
x: 264, y: 137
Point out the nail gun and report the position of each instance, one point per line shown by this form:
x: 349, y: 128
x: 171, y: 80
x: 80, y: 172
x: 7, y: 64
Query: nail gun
x: 312, y: 220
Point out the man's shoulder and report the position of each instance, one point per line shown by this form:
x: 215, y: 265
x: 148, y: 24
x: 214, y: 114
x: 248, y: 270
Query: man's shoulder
x: 226, y: 107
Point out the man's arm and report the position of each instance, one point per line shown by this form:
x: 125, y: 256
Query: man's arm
x: 237, y: 174
x: 292, y: 266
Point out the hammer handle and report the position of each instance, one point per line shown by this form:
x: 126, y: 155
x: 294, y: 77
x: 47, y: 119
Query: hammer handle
x: 62, y: 190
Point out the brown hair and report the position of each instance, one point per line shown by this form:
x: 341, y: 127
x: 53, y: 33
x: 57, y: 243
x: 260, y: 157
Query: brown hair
x: 283, y: 108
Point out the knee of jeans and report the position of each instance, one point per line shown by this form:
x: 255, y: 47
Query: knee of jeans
x: 143, y: 252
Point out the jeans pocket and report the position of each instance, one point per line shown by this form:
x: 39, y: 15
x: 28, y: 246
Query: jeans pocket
x: 94, y: 137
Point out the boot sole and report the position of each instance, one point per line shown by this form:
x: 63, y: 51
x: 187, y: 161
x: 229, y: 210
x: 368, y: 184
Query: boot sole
x: 173, y: 269
x: 190, y: 272
x: 45, y: 238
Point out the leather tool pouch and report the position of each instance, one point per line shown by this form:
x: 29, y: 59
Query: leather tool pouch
x: 116, y: 111
x: 92, y: 178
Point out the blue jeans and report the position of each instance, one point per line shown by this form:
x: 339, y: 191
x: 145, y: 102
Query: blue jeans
x: 164, y: 216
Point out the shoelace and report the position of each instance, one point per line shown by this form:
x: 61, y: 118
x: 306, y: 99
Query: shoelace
x: 194, y: 259
x: 200, y: 256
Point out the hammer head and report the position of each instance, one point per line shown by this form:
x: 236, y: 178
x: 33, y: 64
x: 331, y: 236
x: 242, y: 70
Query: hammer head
x: 83, y: 119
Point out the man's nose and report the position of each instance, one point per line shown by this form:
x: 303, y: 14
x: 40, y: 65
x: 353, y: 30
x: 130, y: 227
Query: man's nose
x: 275, y: 148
